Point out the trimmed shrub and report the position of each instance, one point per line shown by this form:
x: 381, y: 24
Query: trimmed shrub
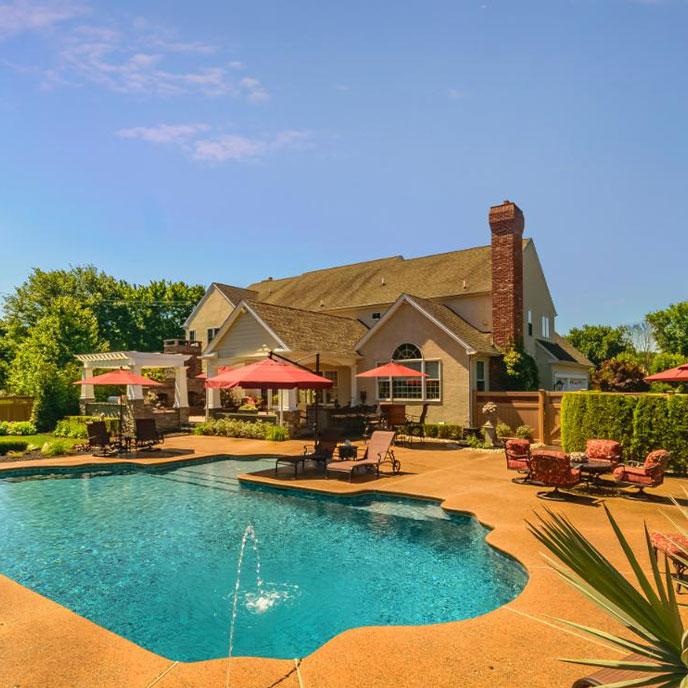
x: 17, y: 427
x: 226, y: 427
x: 641, y: 423
x: 445, y: 431
x: 503, y: 430
x: 524, y: 432
x: 9, y: 444
x: 56, y: 448
x: 276, y: 433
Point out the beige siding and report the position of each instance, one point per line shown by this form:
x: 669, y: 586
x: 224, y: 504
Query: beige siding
x: 246, y: 337
x: 475, y: 308
x: 408, y: 325
x: 536, y: 298
x: 212, y: 313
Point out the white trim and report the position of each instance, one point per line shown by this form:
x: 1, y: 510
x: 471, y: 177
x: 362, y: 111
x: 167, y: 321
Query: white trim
x: 241, y: 308
x: 204, y: 298
x: 132, y: 359
x: 405, y: 298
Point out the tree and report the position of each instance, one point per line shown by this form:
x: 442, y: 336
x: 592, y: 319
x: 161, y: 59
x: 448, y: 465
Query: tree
x: 600, y: 342
x: 643, y: 342
x: 670, y: 328
x: 520, y: 371
x: 620, y: 374
x: 44, y: 366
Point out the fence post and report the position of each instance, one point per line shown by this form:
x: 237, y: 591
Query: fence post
x: 542, y: 418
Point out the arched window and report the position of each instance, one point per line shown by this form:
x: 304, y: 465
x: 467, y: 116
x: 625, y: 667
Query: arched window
x: 407, y: 352
x: 418, y: 389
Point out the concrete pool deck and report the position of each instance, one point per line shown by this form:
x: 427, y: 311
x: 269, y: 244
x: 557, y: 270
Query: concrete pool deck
x: 42, y: 643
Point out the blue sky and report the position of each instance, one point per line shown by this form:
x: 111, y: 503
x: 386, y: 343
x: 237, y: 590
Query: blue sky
x: 230, y: 141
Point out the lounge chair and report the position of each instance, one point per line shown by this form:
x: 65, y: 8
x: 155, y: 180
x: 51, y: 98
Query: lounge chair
x: 414, y: 426
x: 517, y: 452
x: 675, y: 547
x: 378, y: 451
x: 553, y: 469
x: 147, y: 435
x: 604, y: 677
x: 321, y: 453
x: 99, y: 439
x: 649, y: 474
x: 607, y: 451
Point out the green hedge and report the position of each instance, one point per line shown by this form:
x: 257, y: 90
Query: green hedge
x: 8, y: 444
x: 641, y: 423
x: 239, y: 428
x: 443, y: 430
x: 74, y: 427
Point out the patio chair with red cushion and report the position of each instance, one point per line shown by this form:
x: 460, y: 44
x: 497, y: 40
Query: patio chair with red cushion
x: 553, y: 469
x: 603, y: 451
x: 675, y: 547
x: 517, y: 453
x: 649, y: 474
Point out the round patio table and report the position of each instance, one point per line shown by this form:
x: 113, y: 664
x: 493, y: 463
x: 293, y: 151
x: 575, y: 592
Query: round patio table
x: 593, y: 470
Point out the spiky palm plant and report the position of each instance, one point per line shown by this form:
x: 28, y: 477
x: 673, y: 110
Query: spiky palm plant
x: 649, y: 611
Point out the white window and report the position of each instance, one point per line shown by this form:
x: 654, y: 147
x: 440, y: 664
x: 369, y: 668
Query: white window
x: 569, y: 383
x: 480, y: 376
x: 412, y: 388
x: 545, y: 327
x: 530, y: 323
x: 212, y: 332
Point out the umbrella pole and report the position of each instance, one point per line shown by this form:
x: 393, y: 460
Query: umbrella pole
x: 316, y: 425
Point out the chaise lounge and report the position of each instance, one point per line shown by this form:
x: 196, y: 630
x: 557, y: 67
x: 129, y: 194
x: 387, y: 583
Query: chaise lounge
x: 147, y: 435
x: 378, y: 451
x: 321, y: 453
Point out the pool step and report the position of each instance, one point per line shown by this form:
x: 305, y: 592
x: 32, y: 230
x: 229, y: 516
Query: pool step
x: 226, y: 487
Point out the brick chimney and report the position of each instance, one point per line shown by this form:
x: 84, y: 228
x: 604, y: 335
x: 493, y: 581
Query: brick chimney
x: 506, y: 223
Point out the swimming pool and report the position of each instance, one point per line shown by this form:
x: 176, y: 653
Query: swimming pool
x: 152, y: 556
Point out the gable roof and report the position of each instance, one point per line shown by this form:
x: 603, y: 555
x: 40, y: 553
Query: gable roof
x: 468, y: 271
x: 299, y: 330
x: 561, y: 350
x: 233, y: 295
x: 472, y: 339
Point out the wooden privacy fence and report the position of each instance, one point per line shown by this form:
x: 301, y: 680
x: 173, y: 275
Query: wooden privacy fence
x: 16, y: 408
x: 541, y: 410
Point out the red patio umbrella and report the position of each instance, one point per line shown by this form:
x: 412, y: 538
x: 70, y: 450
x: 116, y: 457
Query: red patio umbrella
x: 392, y: 370
x: 270, y: 374
x: 119, y: 377
x: 678, y: 374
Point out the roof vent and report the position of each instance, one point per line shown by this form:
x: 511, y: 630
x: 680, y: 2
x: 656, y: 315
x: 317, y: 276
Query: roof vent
x: 269, y: 279
x: 322, y: 304
x: 382, y: 281
x: 464, y: 285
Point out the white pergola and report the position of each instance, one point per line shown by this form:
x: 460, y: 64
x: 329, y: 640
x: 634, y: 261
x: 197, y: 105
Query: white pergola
x: 135, y: 361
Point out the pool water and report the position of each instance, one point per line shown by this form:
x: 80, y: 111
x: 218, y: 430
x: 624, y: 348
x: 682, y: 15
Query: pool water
x: 152, y: 556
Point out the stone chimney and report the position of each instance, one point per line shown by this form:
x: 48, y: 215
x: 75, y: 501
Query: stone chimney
x: 506, y: 223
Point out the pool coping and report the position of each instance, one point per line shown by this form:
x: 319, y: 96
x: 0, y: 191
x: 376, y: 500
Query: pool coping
x: 326, y: 666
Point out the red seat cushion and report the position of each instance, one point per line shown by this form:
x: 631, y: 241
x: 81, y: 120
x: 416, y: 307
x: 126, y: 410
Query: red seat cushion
x: 673, y: 544
x: 603, y: 450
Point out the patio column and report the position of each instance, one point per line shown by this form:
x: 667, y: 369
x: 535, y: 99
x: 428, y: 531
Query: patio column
x: 135, y: 391
x: 212, y: 396
x: 181, y: 393
x: 87, y: 391
x: 354, y: 385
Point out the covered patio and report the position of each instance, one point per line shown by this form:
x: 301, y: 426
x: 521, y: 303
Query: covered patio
x: 136, y: 361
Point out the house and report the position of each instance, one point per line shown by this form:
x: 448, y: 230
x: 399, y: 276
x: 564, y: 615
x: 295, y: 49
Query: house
x: 447, y: 315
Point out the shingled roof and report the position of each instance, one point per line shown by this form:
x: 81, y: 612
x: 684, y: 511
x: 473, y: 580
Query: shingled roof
x: 304, y: 330
x: 383, y: 281
x: 235, y: 294
x: 476, y: 339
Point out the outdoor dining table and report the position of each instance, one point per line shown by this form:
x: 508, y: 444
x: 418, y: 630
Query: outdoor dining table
x: 592, y: 471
